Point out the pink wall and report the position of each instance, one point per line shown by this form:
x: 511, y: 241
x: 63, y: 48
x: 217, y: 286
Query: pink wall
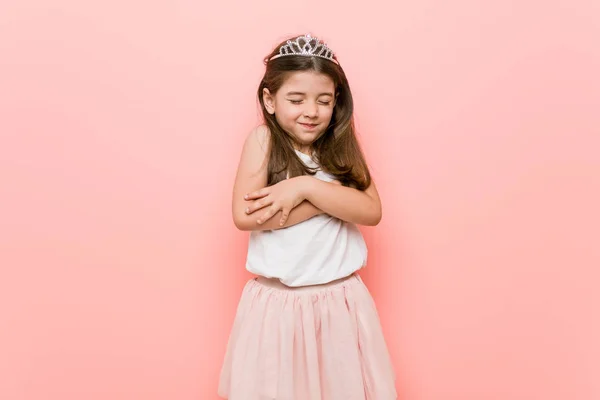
x: 121, y: 125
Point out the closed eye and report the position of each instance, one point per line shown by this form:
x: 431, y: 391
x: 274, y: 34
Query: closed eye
x: 325, y: 103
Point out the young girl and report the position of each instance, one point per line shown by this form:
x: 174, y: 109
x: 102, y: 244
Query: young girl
x: 306, y: 327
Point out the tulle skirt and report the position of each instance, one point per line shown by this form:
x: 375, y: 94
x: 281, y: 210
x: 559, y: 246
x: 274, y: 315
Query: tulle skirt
x: 309, y: 343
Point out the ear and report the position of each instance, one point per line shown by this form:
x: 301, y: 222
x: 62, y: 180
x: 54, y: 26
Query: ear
x: 269, y: 101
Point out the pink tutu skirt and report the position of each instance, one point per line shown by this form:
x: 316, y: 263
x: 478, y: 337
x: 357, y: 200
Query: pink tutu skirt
x: 309, y: 343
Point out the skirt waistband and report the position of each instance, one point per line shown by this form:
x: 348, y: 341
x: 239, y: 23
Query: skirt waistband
x: 277, y: 284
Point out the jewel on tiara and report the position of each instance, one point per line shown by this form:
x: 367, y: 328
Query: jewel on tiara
x: 305, y: 46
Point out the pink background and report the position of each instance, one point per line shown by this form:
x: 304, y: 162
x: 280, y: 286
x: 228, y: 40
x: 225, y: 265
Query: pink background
x: 121, y: 125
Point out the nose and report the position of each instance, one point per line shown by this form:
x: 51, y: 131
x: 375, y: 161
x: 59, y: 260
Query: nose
x: 311, y: 110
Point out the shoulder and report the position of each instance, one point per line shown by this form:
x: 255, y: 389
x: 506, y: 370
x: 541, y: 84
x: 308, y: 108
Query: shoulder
x: 259, y: 138
x: 255, y: 151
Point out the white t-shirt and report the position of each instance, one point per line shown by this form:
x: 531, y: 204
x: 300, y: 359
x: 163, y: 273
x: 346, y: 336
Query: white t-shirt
x: 316, y: 251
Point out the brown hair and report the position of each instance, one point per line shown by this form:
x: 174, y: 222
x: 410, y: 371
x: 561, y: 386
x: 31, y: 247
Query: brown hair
x: 337, y: 150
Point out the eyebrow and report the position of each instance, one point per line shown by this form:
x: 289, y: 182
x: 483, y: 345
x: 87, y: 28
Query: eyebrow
x: 302, y: 94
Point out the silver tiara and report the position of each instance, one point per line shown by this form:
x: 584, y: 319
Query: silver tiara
x: 305, y: 46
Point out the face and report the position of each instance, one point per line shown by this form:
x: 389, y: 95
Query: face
x: 303, y: 106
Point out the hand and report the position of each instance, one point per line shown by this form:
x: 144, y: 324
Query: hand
x: 284, y: 196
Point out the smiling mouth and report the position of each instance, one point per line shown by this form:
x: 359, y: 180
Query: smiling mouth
x: 308, y: 125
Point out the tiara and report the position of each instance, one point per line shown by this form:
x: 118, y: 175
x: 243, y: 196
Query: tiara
x: 305, y: 46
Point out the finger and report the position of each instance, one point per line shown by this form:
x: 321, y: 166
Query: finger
x: 284, y: 216
x: 258, y: 204
x: 266, y: 216
x: 257, y: 194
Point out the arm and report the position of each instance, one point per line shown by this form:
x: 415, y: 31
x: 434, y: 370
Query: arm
x: 251, y: 176
x: 345, y: 203
x: 298, y: 214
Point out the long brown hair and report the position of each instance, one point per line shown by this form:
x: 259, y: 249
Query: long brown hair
x: 337, y: 150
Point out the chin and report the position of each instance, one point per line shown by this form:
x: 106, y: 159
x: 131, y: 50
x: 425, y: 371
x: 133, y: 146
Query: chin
x: 309, y: 136
x: 307, y: 141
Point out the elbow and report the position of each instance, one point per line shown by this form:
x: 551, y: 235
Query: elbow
x: 374, y: 221
x: 374, y: 218
x: 241, y: 223
x: 377, y: 219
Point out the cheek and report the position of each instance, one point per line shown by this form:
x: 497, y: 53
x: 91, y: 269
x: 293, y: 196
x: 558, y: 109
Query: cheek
x: 327, y: 113
x: 290, y: 113
x: 285, y: 117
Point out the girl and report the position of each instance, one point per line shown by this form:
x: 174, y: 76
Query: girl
x: 306, y: 327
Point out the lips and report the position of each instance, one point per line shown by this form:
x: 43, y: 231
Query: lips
x: 309, y: 126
